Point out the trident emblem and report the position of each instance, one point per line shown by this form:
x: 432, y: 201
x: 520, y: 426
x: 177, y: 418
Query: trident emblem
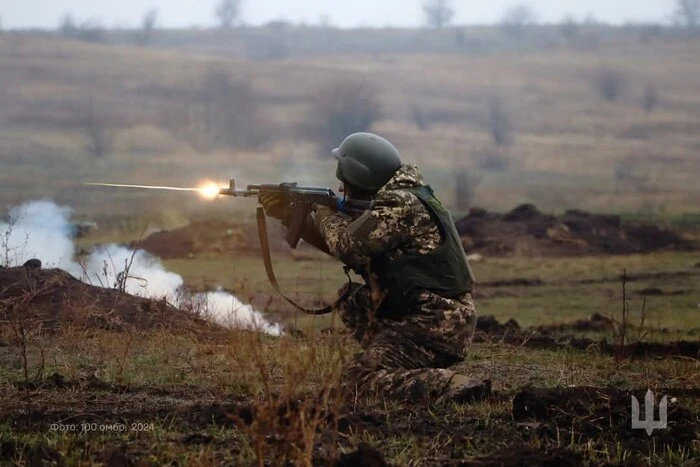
x: 649, y: 424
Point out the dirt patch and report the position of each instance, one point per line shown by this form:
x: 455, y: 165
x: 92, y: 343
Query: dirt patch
x: 596, y: 322
x: 211, y: 236
x: 529, y: 433
x: 364, y: 455
x: 527, y: 456
x: 50, y: 298
x: 489, y: 330
x: 525, y: 230
x: 657, y: 292
x: 603, y: 414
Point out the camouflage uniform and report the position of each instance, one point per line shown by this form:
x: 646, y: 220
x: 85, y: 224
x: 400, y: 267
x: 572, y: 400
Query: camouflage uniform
x: 404, y: 358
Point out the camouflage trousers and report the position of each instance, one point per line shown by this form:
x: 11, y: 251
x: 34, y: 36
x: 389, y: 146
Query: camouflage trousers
x: 407, y: 358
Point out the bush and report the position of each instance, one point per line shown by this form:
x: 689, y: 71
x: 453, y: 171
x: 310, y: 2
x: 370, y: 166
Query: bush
x: 222, y: 113
x: 438, y: 13
x: 650, y: 101
x: 570, y: 29
x: 517, y: 19
x: 465, y: 187
x: 97, y: 127
x: 144, y: 37
x: 499, y: 122
x: 610, y: 84
x: 344, y: 107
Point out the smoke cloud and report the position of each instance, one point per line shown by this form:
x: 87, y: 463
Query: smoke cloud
x: 42, y: 229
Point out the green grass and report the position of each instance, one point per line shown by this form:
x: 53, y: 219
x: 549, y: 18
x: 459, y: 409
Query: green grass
x: 563, y: 298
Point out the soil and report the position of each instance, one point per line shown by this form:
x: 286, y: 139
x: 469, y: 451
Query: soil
x: 527, y: 231
x: 524, y: 230
x: 530, y: 433
x: 54, y: 298
x: 594, y: 413
x: 489, y: 329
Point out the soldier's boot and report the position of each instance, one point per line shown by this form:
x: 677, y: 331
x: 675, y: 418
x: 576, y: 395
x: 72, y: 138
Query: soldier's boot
x: 462, y: 389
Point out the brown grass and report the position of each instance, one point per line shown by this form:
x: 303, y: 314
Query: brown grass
x: 568, y: 145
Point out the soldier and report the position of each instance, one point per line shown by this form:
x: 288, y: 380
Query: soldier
x: 414, y: 316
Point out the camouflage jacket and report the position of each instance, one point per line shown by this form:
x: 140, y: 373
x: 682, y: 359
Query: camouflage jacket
x: 396, y: 223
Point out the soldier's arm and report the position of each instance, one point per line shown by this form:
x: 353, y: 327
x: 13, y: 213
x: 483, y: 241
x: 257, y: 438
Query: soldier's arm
x: 380, y: 229
x: 313, y: 237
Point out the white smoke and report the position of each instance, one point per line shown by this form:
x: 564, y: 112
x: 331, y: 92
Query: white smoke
x: 42, y: 229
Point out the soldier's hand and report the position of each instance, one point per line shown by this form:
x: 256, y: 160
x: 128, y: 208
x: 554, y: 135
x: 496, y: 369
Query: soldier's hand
x: 274, y: 204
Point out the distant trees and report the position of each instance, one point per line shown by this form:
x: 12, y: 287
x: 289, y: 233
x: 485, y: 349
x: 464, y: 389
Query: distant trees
x: 67, y: 26
x: 228, y: 12
x: 148, y: 25
x: 438, y: 13
x: 517, y: 18
x: 87, y: 31
x: 569, y: 28
x: 688, y: 13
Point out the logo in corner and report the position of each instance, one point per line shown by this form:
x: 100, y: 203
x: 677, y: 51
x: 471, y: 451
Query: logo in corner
x: 649, y: 424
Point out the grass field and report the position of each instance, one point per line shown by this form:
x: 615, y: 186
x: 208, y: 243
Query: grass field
x: 569, y: 146
x: 86, y: 396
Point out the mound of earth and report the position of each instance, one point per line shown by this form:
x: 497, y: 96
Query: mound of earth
x: 219, y: 236
x: 50, y: 298
x: 489, y: 329
x: 525, y: 230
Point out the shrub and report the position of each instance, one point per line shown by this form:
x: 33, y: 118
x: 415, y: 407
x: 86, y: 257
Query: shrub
x: 343, y: 107
x: 465, y: 188
x: 499, y: 122
x: 517, y: 19
x: 224, y: 112
x: 610, y: 84
x: 438, y: 13
x: 650, y: 100
x: 97, y: 127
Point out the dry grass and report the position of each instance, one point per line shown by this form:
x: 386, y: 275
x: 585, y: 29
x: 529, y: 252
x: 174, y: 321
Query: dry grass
x: 568, y: 141
x: 249, y: 399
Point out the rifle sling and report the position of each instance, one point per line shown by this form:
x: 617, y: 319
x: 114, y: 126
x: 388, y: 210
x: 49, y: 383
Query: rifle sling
x: 265, y: 247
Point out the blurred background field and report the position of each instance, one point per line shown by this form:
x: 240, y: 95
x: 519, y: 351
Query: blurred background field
x: 602, y: 118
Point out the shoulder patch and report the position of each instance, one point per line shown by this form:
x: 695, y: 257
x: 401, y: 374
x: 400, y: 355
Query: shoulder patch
x: 363, y: 225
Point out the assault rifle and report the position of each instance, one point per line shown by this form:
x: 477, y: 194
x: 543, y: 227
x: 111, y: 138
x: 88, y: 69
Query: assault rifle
x: 299, y: 201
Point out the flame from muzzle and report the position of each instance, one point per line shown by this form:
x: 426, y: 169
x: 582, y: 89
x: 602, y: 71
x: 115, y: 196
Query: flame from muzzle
x: 207, y: 190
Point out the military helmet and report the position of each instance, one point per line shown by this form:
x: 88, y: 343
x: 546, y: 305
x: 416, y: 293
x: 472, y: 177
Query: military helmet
x: 366, y: 161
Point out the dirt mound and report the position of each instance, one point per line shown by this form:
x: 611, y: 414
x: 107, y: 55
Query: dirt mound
x: 52, y: 297
x: 211, y: 236
x: 596, y: 322
x: 489, y: 329
x: 525, y: 230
